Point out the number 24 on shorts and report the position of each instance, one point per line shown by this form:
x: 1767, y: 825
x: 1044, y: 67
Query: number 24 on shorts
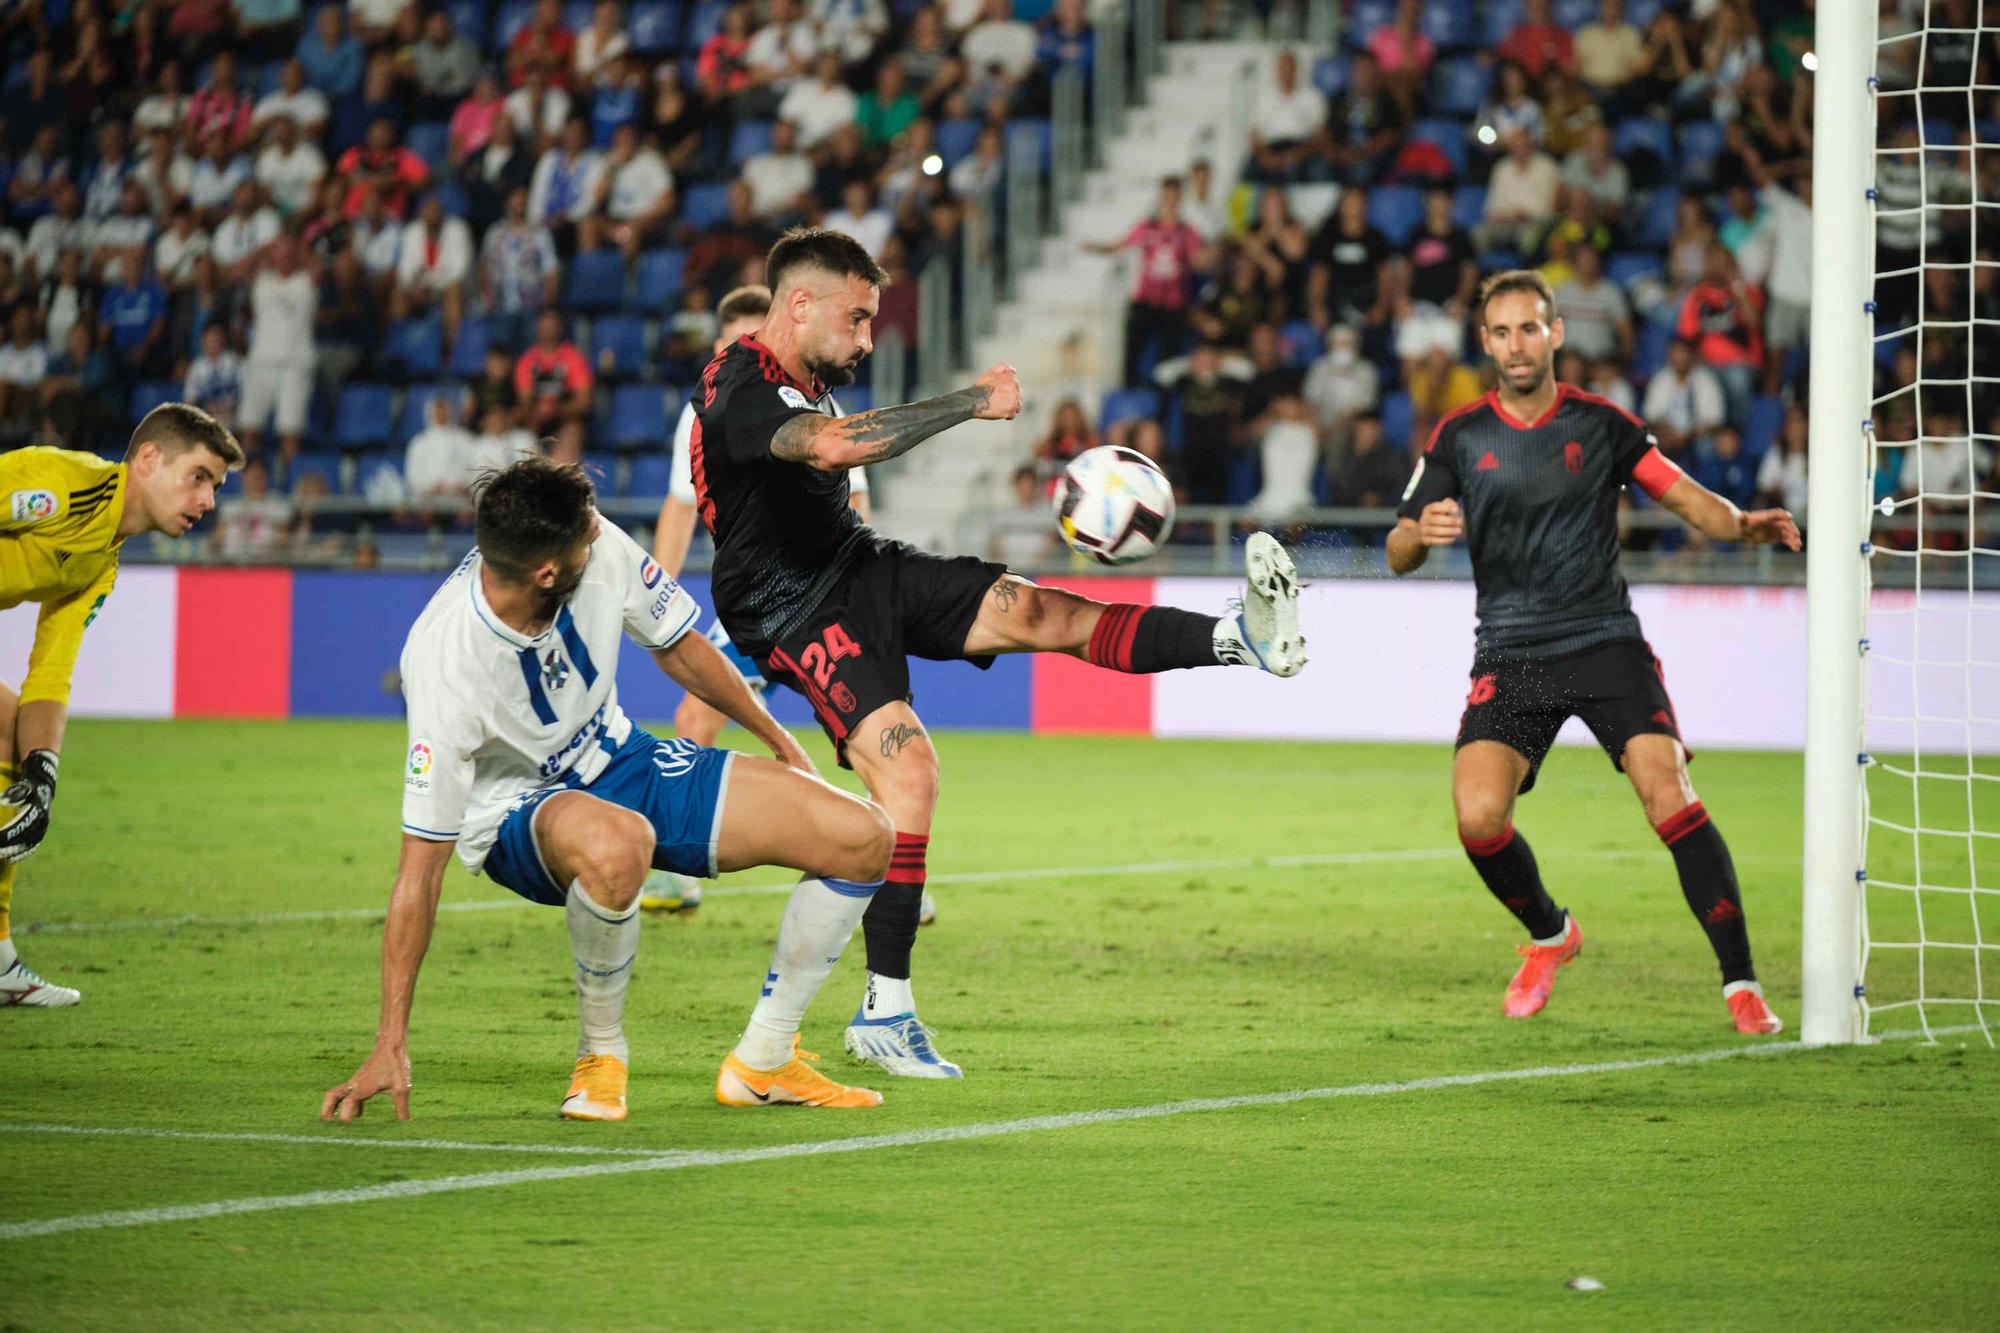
x: 819, y: 658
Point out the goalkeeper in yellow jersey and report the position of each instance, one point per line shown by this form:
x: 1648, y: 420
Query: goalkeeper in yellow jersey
x: 63, y: 516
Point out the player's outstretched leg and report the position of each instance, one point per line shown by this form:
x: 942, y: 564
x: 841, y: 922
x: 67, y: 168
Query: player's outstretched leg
x: 601, y: 851
x: 1019, y: 617
x: 1657, y: 765
x: 891, y: 753
x: 1485, y: 776
x: 777, y: 816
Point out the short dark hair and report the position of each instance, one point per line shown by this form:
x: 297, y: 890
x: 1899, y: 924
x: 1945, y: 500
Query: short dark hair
x: 829, y: 251
x: 1517, y: 280
x: 531, y: 512
x: 179, y: 427
x: 752, y: 302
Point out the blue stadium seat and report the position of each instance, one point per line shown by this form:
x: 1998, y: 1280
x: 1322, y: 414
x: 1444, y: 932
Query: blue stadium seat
x: 1041, y: 131
x: 1501, y: 17
x: 956, y: 139
x: 750, y: 138
x: 1468, y: 205
x: 468, y: 17
x: 638, y: 416
x: 417, y: 407
x: 1656, y: 222
x: 1396, y: 210
x: 704, y: 22
x: 1494, y: 260
x: 362, y: 416
x: 1626, y: 266
x: 1127, y: 405
x: 1448, y: 135
x: 1650, y: 351
x: 1459, y: 84
x: 652, y: 474
x: 577, y: 14
x: 1246, y: 475
x: 654, y: 27
x: 603, y: 469
x: 1637, y: 132
x: 452, y: 195
x: 1330, y: 75
x: 325, y: 466
x: 704, y: 205
x: 1399, y: 418
x: 468, y: 355
x: 1303, y: 341
x: 1760, y: 430
x: 1451, y: 24
x: 414, y: 348
x: 1574, y: 14
x: 150, y: 394
x: 430, y: 140
x: 596, y: 281
x: 1365, y: 17
x: 658, y: 287
x: 513, y: 17
x: 266, y: 78
x: 623, y: 339
x: 1641, y: 13
x: 1701, y: 145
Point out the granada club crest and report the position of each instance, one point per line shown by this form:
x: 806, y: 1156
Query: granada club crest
x: 1573, y: 457
x: 843, y: 698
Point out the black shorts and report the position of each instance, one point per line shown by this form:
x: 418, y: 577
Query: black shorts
x: 1617, y: 688
x: 851, y: 656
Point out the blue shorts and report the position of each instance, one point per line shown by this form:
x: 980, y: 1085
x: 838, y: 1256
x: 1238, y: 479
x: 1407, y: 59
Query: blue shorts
x: 677, y: 785
x: 739, y: 659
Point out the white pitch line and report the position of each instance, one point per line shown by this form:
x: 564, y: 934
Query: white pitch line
x: 786, y: 886
x: 670, y: 1160
x: 331, y: 1139
x: 739, y: 890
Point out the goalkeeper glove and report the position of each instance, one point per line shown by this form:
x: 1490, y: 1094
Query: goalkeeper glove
x: 24, y: 806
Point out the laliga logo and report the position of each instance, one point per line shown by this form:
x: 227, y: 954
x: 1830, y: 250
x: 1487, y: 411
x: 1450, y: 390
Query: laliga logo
x: 420, y: 759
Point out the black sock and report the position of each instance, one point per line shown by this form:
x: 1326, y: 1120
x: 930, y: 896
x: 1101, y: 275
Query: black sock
x: 890, y: 924
x: 1507, y: 864
x: 1145, y: 639
x: 1708, y: 882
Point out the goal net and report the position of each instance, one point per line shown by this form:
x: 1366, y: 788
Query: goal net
x: 1926, y: 833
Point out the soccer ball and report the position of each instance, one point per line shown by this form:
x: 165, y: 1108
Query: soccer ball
x: 1114, y: 505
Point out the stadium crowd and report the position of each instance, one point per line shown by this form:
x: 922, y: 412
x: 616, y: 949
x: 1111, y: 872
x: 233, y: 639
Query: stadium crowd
x: 513, y: 220
x: 394, y: 243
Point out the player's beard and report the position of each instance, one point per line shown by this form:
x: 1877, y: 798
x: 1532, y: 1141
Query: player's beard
x: 833, y: 374
x: 1537, y: 376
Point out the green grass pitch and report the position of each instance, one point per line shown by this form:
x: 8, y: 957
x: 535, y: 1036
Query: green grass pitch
x: 1835, y: 1189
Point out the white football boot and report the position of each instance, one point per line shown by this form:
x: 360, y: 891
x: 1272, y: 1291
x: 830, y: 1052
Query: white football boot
x: 20, y: 985
x: 1267, y: 625
x: 664, y: 891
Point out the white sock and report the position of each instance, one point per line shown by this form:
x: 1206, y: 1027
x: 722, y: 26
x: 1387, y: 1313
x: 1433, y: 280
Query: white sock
x: 1557, y: 938
x: 887, y: 997
x: 819, y: 920
x: 7, y: 954
x: 1230, y: 649
x: 1735, y: 986
x: 605, y: 942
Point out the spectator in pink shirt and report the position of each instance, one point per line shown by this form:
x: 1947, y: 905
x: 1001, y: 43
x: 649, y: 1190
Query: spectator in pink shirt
x: 1169, y: 253
x: 1403, y: 52
x: 220, y: 106
x: 1537, y: 43
x: 473, y: 120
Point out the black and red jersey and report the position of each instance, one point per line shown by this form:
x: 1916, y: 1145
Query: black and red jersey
x: 784, y: 532
x: 1540, y: 500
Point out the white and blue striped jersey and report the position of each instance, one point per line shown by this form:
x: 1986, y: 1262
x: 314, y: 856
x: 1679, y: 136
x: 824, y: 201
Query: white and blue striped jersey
x: 494, y: 713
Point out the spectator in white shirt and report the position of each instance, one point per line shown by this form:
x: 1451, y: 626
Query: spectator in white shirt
x: 437, y: 465
x: 1607, y: 380
x: 378, y: 243
x: 254, y: 524
x: 166, y: 107
x: 1781, y: 478
x: 1000, y: 42
x: 435, y: 260
x: 600, y: 46
x: 24, y: 364
x: 635, y: 196
x: 782, y: 50
x: 215, y: 378
x: 1684, y: 401
x: 290, y: 169
x: 780, y: 178
x: 61, y: 228
x: 241, y: 237
x: 216, y: 177
x: 1944, y: 462
x: 1520, y: 196
x: 563, y: 190
x: 538, y: 109
x: 164, y: 172
x: 278, y: 374
x: 851, y: 28
x: 306, y: 107
x: 499, y: 444
x: 1289, y: 451
x: 1596, y: 170
x: 179, y: 246
x: 1288, y: 115
x: 130, y: 228
x: 1788, y: 317
x: 1597, y: 321
x: 860, y: 218
x: 1340, y: 386
x: 819, y: 105
x: 980, y: 172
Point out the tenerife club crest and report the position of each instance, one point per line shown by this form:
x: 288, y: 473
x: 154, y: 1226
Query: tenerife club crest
x: 555, y: 671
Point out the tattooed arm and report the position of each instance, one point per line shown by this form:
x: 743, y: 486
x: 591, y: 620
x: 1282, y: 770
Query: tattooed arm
x: 835, y: 444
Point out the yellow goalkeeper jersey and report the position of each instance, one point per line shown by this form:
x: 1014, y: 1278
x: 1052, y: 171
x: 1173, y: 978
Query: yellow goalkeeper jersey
x: 59, y: 513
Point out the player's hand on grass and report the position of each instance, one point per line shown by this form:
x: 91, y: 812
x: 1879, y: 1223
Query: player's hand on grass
x: 1441, y: 523
x: 1003, y: 397
x: 24, y: 806
x: 383, y: 1071
x: 1774, y: 527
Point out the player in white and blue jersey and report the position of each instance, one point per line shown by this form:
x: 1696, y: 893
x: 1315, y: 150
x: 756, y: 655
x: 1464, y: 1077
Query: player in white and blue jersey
x: 521, y: 758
